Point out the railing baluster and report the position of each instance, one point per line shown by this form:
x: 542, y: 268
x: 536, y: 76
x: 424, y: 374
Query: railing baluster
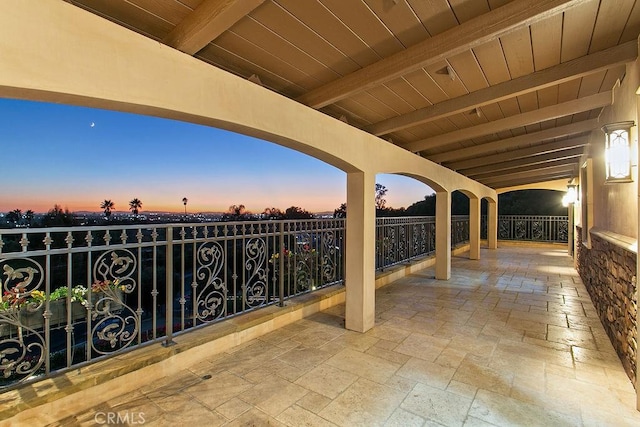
x: 169, y: 290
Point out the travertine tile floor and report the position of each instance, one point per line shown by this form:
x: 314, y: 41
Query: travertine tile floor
x: 510, y: 340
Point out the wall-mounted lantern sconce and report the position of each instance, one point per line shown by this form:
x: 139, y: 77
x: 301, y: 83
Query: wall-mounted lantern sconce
x: 572, y: 195
x: 618, y: 154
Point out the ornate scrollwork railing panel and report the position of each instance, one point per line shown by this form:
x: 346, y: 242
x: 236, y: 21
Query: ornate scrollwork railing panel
x: 402, y: 239
x: 255, y: 288
x: 22, y: 348
x: 330, y: 252
x: 210, y: 291
x: 115, y: 325
x: 533, y: 227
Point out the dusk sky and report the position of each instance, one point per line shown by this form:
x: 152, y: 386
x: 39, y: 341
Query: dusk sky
x: 77, y: 157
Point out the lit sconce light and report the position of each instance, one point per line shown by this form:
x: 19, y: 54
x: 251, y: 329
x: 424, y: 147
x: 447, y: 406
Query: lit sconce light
x: 571, y: 197
x: 618, y: 155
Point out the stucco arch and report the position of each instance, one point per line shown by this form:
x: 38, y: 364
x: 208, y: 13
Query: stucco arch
x: 100, y: 64
x: 558, y: 184
x: 56, y: 52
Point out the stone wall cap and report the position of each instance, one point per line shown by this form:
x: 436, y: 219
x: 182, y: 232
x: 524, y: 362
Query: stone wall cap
x: 620, y: 240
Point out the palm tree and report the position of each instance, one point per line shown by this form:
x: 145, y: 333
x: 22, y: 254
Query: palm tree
x: 236, y: 210
x: 184, y: 202
x: 107, y: 205
x: 135, y: 206
x: 28, y: 216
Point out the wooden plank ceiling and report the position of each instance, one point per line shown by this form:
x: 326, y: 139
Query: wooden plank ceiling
x: 503, y: 91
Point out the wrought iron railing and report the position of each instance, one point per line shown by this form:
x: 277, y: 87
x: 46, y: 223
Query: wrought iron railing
x: 125, y: 286
x: 537, y: 228
x: 402, y: 239
x: 72, y: 296
x: 399, y: 240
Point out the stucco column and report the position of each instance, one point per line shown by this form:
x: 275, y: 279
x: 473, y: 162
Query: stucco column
x: 443, y: 235
x: 360, y: 252
x: 474, y: 228
x: 492, y: 225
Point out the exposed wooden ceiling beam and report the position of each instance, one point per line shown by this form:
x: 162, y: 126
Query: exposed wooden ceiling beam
x: 539, y: 80
x: 516, y: 141
x: 547, y: 148
x: 547, y: 113
x: 560, y: 168
x: 498, y: 166
x: 207, y: 21
x: 472, y: 33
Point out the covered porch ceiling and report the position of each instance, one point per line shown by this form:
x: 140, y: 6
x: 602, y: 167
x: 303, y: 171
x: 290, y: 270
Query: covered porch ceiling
x: 505, y: 92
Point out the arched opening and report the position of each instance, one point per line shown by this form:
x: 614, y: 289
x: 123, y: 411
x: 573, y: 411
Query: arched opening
x: 533, y: 215
x: 77, y: 157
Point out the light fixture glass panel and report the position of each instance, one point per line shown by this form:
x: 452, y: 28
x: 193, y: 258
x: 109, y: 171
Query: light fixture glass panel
x: 618, y: 152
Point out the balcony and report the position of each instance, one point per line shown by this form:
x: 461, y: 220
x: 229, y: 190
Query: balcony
x: 511, y: 339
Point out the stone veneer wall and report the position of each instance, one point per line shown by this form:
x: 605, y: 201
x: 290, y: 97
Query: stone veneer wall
x: 608, y: 272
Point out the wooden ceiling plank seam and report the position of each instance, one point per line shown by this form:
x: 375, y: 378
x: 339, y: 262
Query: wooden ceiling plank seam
x: 567, y: 130
x: 591, y: 84
x: 171, y: 12
x: 295, y: 56
x: 571, y: 107
x: 336, y: 111
x: 517, y: 48
x: 400, y: 20
x: 391, y: 99
x: 365, y: 24
x: 528, y: 102
x: 546, y: 37
x: 466, y: 10
x: 458, y: 39
x: 609, y: 25
x: 466, y: 67
x: 246, y: 48
x: 420, y: 79
x: 514, y: 153
x: 408, y: 93
x: 436, y: 16
x: 207, y: 22
x: 252, y: 68
x: 632, y: 27
x: 117, y: 13
x: 298, y: 33
x: 491, y: 60
x: 577, y: 30
x: 452, y: 86
x: 377, y: 104
x: 319, y: 19
x: 359, y: 106
x: 541, y: 79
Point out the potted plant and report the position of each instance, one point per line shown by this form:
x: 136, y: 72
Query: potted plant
x: 26, y: 308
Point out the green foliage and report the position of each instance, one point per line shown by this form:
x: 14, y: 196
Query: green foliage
x: 427, y: 207
x: 294, y: 212
x: 56, y: 217
x: 531, y: 202
x: 135, y: 205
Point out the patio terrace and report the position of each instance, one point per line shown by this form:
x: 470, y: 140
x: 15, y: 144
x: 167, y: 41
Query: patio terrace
x: 511, y: 339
